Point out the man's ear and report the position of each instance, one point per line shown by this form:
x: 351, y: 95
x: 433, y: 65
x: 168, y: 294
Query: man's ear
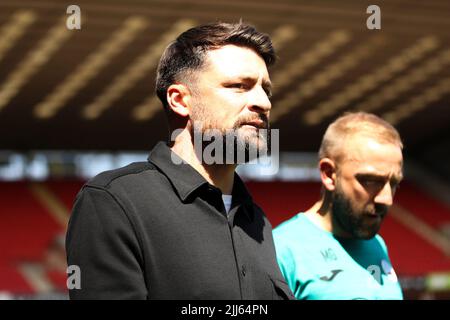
x: 178, y: 98
x: 327, y: 169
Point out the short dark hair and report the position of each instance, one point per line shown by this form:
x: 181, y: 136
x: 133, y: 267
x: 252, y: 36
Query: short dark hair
x: 352, y: 124
x: 187, y: 52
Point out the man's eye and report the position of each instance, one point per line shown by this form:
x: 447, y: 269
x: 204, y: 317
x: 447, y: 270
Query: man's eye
x: 371, y: 183
x: 237, y: 86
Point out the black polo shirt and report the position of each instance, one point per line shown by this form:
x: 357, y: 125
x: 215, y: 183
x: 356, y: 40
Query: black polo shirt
x: 157, y: 230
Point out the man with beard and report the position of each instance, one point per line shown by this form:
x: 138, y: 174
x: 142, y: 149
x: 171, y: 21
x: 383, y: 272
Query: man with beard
x: 333, y: 251
x: 176, y: 227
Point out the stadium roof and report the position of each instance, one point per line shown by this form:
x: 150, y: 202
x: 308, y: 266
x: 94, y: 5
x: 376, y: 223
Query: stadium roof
x: 94, y: 88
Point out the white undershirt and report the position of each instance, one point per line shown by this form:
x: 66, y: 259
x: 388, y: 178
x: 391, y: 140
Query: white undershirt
x: 227, y: 199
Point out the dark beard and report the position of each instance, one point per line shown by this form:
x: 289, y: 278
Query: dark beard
x: 350, y: 220
x: 239, y: 149
x: 248, y: 150
x: 242, y: 144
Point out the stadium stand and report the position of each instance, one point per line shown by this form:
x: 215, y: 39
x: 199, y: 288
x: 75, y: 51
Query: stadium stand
x: 31, y: 235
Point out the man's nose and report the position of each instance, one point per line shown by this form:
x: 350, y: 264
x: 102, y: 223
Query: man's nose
x: 259, y: 101
x: 385, y: 195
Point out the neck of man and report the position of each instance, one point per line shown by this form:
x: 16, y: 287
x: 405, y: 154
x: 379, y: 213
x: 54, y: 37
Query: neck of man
x: 321, y: 215
x: 219, y: 175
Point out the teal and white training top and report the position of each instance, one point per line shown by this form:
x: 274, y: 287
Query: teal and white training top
x: 318, y: 265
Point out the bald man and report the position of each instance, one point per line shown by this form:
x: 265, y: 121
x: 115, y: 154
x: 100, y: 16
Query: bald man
x: 333, y: 251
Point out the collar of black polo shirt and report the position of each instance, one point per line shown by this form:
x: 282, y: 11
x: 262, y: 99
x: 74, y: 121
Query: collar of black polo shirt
x: 187, y: 181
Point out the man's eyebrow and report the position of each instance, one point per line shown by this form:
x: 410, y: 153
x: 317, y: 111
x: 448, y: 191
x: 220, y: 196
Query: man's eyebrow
x: 266, y: 83
x: 373, y: 175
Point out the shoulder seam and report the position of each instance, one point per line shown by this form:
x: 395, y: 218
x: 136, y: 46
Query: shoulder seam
x: 105, y: 182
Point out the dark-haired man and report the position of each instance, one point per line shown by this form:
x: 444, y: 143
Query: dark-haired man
x: 179, y: 227
x: 333, y: 251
